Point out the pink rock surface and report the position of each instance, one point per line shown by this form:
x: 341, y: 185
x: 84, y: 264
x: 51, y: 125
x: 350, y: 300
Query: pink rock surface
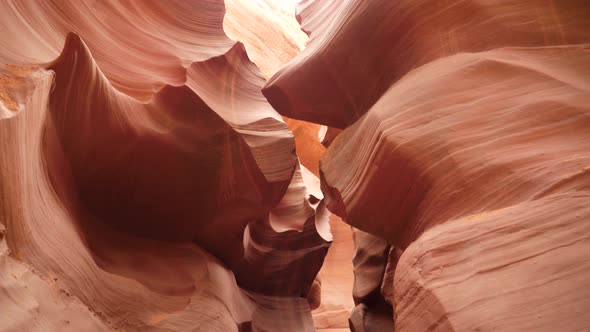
x: 468, y: 138
x: 160, y: 165
x: 535, y: 282
x: 512, y: 129
x: 146, y: 142
x: 126, y: 281
x: 362, y: 47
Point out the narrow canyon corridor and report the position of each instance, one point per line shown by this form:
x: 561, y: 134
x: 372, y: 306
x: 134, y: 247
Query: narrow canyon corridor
x: 294, y: 165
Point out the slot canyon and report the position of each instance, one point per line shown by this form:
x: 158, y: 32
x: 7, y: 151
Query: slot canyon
x: 294, y: 165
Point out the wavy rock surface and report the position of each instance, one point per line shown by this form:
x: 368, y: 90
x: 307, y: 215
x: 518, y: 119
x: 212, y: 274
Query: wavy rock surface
x: 47, y: 229
x: 134, y: 164
x: 471, y: 109
x: 537, y: 282
x: 511, y: 124
x: 147, y: 184
x: 363, y: 47
x: 157, y: 40
x: 467, y: 137
x: 273, y: 37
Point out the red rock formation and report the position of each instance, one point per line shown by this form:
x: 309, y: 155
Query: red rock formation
x: 269, y: 51
x: 520, y: 268
x: 127, y: 281
x: 272, y: 37
x: 499, y: 120
x: 133, y: 165
x: 455, y: 144
x: 146, y: 183
x: 362, y: 47
x: 138, y: 45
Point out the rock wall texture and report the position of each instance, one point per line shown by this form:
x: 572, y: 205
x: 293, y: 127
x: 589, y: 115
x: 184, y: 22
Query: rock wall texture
x: 146, y: 181
x: 174, y: 165
x: 458, y: 114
